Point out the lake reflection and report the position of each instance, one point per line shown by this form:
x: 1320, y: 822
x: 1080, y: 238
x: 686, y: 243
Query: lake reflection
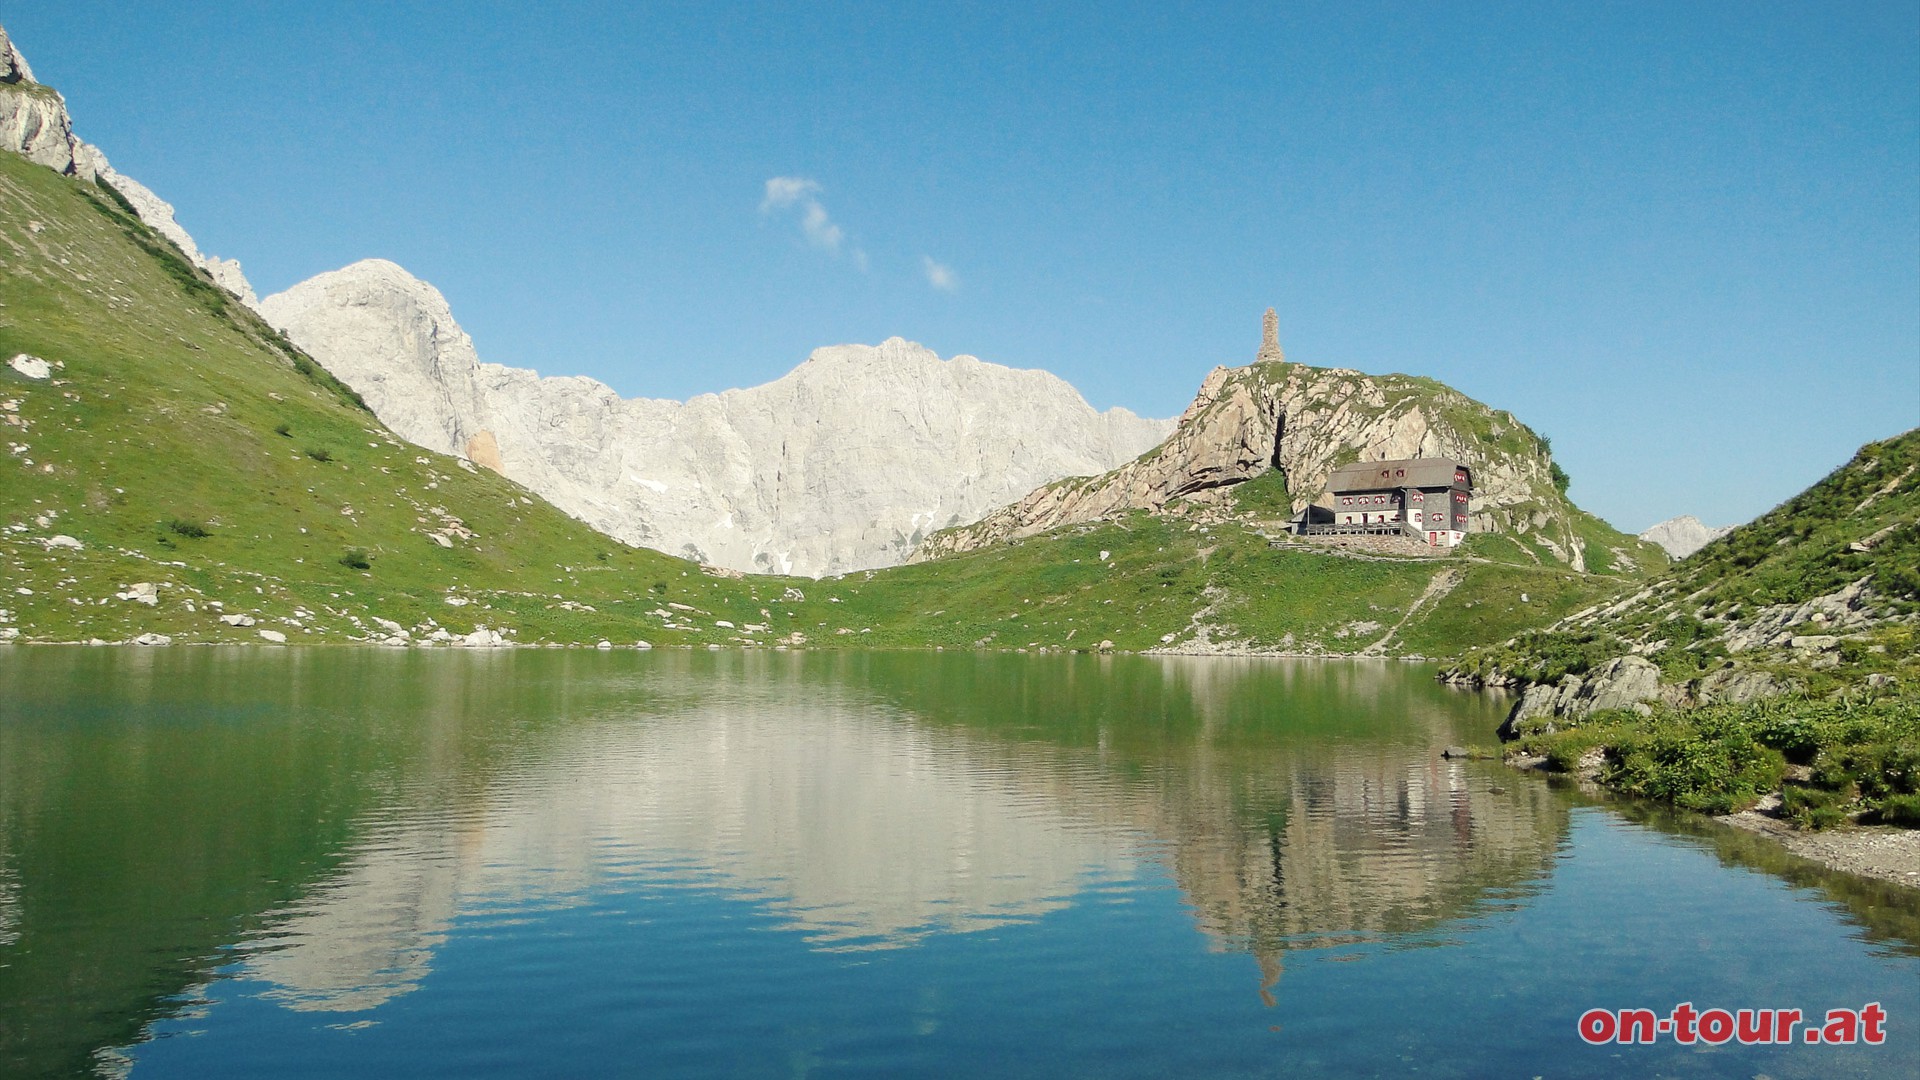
x: 864, y: 827
x: 335, y: 833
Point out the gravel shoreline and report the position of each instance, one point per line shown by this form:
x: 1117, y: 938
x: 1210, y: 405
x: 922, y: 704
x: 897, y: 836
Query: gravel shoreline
x: 1886, y: 852
x: 1883, y: 852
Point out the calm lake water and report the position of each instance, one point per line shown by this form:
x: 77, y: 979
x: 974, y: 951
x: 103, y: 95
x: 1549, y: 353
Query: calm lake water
x: 335, y: 862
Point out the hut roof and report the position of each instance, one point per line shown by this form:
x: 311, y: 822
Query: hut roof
x: 1400, y: 473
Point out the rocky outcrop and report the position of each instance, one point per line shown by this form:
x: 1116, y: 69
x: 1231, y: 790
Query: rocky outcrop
x: 33, y: 118
x: 1621, y: 683
x: 1684, y: 535
x: 843, y: 464
x: 13, y: 66
x: 1633, y: 682
x: 1305, y: 422
x: 34, y: 123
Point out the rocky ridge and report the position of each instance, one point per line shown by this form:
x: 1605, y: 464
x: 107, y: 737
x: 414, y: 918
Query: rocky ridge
x: 1683, y: 535
x: 34, y: 123
x: 843, y: 464
x: 1305, y: 422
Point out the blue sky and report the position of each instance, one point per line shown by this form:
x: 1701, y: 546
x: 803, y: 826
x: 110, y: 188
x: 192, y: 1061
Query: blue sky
x: 1682, y: 239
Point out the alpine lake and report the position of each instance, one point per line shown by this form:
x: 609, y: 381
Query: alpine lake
x: 245, y: 862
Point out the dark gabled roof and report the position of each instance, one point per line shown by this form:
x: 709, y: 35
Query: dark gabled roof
x: 1400, y: 473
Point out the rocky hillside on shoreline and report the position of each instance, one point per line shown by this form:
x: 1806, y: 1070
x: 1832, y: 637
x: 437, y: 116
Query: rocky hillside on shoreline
x: 1773, y: 675
x: 1808, y: 597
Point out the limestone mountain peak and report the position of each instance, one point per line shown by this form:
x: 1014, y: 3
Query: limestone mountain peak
x: 844, y: 463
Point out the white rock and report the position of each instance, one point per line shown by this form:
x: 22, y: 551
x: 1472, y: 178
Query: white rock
x: 1684, y: 535
x: 845, y: 463
x: 8, y: 633
x: 604, y: 646
x: 64, y: 541
x: 35, y: 125
x: 140, y: 592
x: 458, y: 601
x: 152, y: 639
x: 643, y: 645
x: 274, y: 636
x: 31, y: 366
x: 237, y: 620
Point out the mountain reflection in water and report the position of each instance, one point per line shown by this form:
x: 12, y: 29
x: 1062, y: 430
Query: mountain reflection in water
x: 864, y: 826
x: 322, y: 827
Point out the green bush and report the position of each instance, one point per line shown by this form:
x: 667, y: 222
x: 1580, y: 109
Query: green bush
x: 319, y: 453
x: 356, y: 559
x: 1715, y: 767
x: 283, y: 430
x: 1879, y: 769
x: 193, y: 530
x: 1899, y: 810
x: 1812, y: 807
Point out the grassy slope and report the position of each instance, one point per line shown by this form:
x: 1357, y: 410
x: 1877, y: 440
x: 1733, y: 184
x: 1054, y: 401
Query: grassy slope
x: 1054, y: 590
x: 174, y: 410
x: 164, y: 407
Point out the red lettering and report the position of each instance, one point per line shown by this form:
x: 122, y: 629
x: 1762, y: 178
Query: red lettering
x: 1636, y: 1025
x: 1597, y: 1026
x: 1872, y: 1016
x: 1716, y: 1026
x: 1683, y: 1015
x: 1784, y: 1022
x: 1842, y: 1027
x: 1755, y: 1025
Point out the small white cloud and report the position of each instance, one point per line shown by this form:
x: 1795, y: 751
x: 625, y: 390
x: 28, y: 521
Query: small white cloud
x: 940, y: 276
x: 820, y: 229
x: 784, y: 191
x: 798, y: 192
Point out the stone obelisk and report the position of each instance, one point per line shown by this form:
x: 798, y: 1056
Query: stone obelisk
x: 1270, y: 340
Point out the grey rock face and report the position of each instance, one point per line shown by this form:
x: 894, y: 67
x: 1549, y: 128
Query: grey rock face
x: 1621, y: 683
x: 1684, y: 535
x: 845, y: 463
x: 34, y: 122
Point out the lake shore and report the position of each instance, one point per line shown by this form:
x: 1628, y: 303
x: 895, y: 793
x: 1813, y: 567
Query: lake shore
x: 1883, y: 852
x: 1886, y: 852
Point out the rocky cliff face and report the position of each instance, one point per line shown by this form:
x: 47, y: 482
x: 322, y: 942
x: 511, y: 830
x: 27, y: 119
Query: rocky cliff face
x: 845, y: 463
x: 1684, y: 535
x: 33, y: 118
x: 34, y: 123
x: 1305, y: 422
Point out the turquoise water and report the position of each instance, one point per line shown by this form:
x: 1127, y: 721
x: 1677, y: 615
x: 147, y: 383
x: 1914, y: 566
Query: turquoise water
x: 364, y: 863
